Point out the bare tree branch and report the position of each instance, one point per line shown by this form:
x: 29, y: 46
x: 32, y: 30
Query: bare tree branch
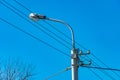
x: 15, y: 71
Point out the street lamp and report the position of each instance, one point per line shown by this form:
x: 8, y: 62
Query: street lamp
x: 74, y: 51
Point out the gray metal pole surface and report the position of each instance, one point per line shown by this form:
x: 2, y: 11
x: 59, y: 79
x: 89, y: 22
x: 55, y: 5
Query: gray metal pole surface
x: 74, y: 65
x: 74, y: 52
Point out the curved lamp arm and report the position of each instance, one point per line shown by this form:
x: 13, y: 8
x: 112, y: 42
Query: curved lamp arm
x: 37, y: 17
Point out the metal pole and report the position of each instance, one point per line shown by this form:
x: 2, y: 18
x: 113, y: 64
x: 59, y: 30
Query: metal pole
x: 74, y: 65
x: 74, y: 52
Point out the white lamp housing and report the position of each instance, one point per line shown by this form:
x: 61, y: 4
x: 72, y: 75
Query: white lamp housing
x: 36, y: 17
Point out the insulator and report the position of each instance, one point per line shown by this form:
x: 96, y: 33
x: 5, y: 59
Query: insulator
x: 81, y: 52
x: 88, y: 52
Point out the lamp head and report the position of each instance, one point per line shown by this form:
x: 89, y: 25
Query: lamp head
x: 36, y: 17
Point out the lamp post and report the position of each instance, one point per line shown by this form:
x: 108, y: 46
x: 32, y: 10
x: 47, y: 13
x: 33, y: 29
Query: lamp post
x: 74, y: 51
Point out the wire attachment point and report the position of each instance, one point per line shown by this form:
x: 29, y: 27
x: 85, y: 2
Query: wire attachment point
x: 82, y: 53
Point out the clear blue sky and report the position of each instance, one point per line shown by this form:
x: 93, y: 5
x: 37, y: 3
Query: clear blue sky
x: 96, y: 24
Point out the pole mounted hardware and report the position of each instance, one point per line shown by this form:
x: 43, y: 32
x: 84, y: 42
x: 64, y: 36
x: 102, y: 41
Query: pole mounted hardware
x: 82, y: 53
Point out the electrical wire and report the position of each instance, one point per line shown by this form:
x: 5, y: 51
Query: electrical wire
x: 104, y: 72
x: 105, y: 65
x: 23, y: 6
x: 33, y: 37
x: 58, y: 73
x: 69, y: 68
x: 41, y: 25
x: 96, y: 74
x: 34, y: 25
x: 102, y: 68
x: 58, y: 30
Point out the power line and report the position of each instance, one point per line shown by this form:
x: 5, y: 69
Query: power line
x: 102, y: 68
x: 105, y: 64
x: 58, y: 73
x: 25, y: 15
x: 34, y: 24
x: 96, y: 74
x: 104, y: 72
x: 22, y: 6
x: 41, y: 25
x: 33, y: 36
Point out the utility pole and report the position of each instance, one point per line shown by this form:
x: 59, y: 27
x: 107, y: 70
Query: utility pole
x: 74, y: 64
x: 74, y: 52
